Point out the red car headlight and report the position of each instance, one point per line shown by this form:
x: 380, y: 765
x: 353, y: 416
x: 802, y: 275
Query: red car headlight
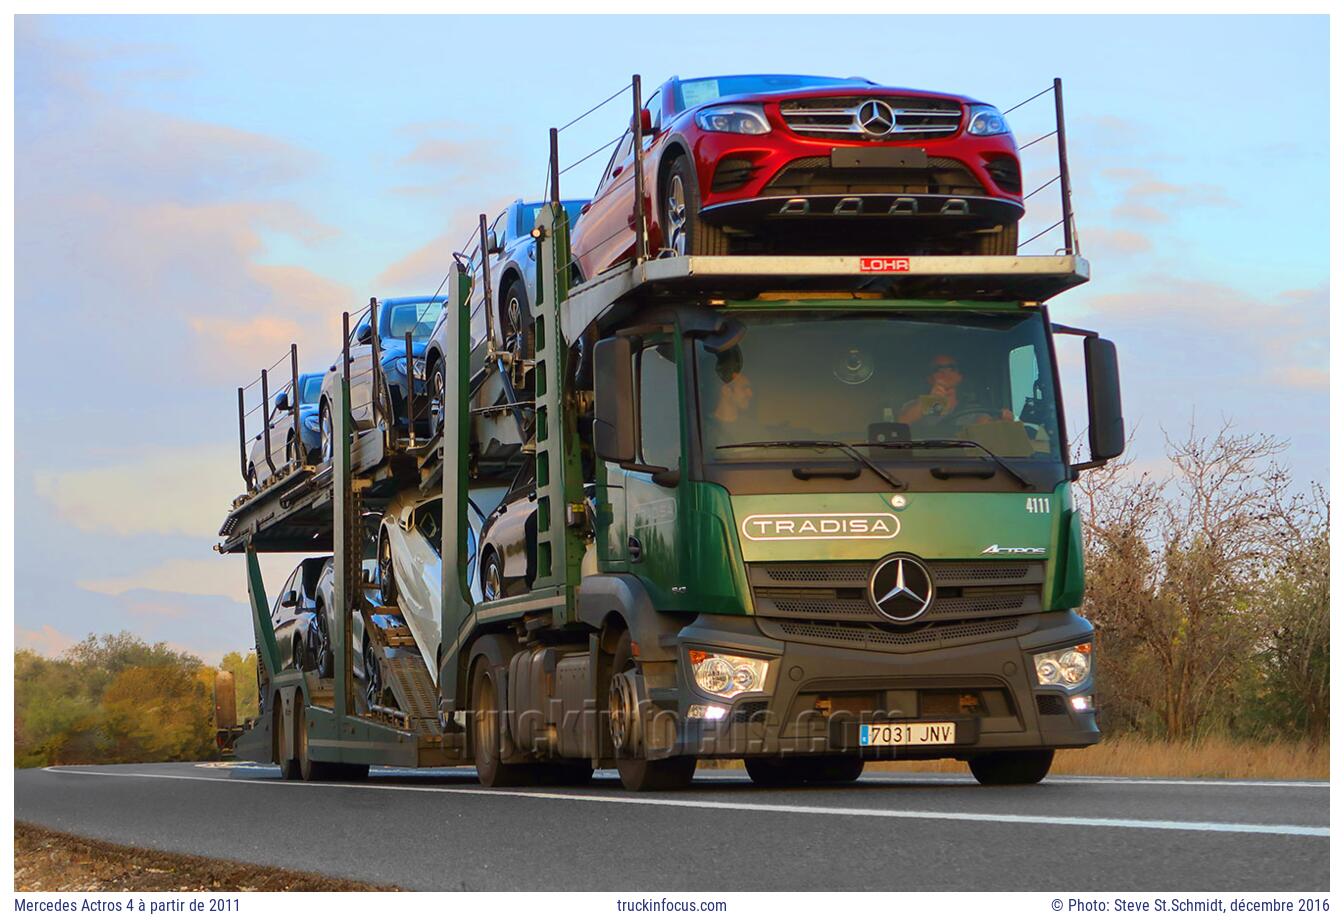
x: 733, y: 119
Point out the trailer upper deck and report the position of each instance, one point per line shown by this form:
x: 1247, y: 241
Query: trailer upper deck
x: 988, y: 278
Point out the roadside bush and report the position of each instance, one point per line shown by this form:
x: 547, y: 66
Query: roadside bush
x: 114, y: 699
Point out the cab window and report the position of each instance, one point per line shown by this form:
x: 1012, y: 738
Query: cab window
x: 659, y: 418
x: 277, y: 612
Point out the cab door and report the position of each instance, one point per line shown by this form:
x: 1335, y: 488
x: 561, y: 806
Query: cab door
x: 653, y: 550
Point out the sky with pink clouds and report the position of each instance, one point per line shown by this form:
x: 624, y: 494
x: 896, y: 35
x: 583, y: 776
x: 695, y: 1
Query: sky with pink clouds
x: 194, y: 193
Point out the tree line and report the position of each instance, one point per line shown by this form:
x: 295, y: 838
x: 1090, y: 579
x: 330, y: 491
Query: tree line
x: 118, y: 699
x: 1209, y: 586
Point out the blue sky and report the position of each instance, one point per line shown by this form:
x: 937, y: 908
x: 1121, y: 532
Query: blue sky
x: 193, y: 193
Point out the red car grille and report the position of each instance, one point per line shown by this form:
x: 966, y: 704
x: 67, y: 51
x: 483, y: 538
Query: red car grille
x: 873, y: 118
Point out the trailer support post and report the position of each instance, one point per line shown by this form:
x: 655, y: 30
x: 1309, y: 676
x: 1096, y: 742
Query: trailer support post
x: 266, y: 421
x: 298, y: 458
x: 1065, y: 188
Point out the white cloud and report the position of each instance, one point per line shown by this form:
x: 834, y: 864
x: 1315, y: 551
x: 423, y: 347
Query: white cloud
x: 46, y: 640
x: 171, y: 490
x: 216, y: 576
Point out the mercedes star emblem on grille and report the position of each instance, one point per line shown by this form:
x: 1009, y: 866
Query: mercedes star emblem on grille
x: 901, y: 588
x: 876, y: 117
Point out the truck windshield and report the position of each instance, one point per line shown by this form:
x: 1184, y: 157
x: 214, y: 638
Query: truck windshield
x: 919, y: 377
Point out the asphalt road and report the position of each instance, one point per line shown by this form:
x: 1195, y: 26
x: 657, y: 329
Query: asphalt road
x: 439, y: 830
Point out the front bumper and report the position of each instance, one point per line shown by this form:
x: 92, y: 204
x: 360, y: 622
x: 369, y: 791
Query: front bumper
x: 817, y: 695
x: 966, y: 212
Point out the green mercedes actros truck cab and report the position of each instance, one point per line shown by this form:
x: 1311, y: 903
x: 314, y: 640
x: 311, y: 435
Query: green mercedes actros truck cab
x: 832, y: 519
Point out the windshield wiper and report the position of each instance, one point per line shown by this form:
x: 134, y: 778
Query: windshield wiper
x: 844, y: 446
x: 952, y: 442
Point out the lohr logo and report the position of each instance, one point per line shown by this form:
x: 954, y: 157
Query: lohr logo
x: 884, y: 264
x: 995, y: 549
x: 820, y: 526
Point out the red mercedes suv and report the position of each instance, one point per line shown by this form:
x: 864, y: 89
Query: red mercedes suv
x: 798, y: 164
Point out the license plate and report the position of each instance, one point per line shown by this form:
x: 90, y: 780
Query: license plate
x: 902, y: 734
x: 879, y: 158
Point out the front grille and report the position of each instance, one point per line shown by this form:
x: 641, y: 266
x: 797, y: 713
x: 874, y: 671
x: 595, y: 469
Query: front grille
x: 816, y: 176
x: 839, y: 591
x: 889, y: 638
x: 914, y: 118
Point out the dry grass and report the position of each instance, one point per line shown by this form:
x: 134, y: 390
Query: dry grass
x: 1212, y: 758
x: 46, y: 860
x: 1129, y: 755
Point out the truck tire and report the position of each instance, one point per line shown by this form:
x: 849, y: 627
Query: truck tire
x: 1011, y: 768
x: 289, y: 767
x: 387, y: 573
x: 487, y: 738
x: 684, y: 232
x: 638, y: 774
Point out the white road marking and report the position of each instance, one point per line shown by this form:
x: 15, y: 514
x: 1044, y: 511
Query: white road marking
x: 1289, y: 830
x: 933, y: 779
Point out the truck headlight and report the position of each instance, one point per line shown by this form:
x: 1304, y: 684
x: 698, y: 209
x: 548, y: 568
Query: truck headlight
x: 727, y: 675
x: 733, y: 119
x: 986, y: 121
x: 1066, y: 667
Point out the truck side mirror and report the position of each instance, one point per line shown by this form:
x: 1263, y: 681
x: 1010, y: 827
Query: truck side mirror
x: 492, y: 244
x: 1106, y: 421
x: 365, y: 334
x: 291, y: 599
x: 282, y: 401
x: 614, y: 400
x: 645, y: 122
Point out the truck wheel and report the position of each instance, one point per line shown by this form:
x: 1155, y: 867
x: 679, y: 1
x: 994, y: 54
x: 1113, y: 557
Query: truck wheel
x: 1002, y: 241
x: 289, y: 767
x: 684, y: 233
x: 1011, y: 768
x: 773, y: 771
x: 638, y: 774
x: 310, y: 770
x: 485, y: 735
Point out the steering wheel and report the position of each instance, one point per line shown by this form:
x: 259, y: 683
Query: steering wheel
x: 965, y: 416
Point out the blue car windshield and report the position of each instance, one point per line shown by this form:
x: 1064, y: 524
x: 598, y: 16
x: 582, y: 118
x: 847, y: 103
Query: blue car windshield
x: 527, y: 214
x: 690, y: 93
x: 416, y: 318
x: 310, y: 390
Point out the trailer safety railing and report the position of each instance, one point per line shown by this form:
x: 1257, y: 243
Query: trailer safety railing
x: 1045, y: 170
x: 636, y: 174
x: 267, y: 411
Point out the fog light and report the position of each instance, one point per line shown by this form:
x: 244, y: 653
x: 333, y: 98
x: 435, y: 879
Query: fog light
x: 701, y: 711
x: 1080, y: 703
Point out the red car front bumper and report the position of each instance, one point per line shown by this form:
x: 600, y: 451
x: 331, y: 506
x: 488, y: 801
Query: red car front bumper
x: 746, y: 179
